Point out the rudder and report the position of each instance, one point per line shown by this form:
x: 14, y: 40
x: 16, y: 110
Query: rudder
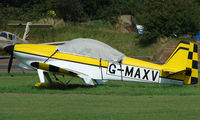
x: 27, y: 31
x: 192, y: 64
x: 183, y: 63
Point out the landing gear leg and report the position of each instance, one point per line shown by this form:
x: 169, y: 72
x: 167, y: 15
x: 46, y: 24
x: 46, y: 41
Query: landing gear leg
x: 42, y: 74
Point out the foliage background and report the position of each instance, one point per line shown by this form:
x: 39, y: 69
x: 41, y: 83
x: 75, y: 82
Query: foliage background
x: 160, y: 18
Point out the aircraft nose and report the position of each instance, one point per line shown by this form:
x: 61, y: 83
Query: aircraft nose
x: 9, y: 49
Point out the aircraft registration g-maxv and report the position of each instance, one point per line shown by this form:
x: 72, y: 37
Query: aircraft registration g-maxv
x: 92, y: 61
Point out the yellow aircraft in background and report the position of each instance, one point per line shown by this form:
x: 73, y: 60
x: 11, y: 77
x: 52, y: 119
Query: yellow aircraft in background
x: 94, y: 61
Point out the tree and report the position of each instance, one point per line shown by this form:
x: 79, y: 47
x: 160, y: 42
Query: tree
x: 70, y: 10
x: 3, y: 16
x: 167, y: 18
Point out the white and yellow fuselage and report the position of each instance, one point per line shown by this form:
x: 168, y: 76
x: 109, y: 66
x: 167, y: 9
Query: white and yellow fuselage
x: 180, y: 68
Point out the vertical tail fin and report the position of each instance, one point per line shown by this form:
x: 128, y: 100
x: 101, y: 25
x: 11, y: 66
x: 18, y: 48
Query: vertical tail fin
x: 192, y: 64
x: 184, y: 59
x: 27, y: 31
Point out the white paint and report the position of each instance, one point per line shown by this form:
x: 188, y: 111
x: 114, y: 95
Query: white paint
x: 133, y: 72
x: 170, y: 81
x: 41, y: 75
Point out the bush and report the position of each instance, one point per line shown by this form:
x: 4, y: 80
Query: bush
x: 4, y: 17
x: 169, y: 18
x: 148, y: 38
x: 111, y: 9
x: 70, y: 10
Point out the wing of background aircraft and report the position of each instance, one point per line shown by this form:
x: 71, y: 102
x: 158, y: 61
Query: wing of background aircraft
x: 7, y: 38
x: 28, y: 26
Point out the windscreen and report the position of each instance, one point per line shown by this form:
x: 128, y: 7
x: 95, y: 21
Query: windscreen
x: 3, y: 35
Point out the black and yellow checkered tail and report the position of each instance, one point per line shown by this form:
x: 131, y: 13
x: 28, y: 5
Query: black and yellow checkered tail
x: 192, y: 65
x: 182, y: 65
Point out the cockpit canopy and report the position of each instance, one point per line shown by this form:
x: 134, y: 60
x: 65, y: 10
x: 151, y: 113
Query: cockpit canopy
x: 3, y: 34
x: 8, y: 35
x: 91, y: 48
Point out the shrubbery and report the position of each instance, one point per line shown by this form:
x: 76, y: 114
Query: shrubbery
x: 3, y: 16
x: 69, y: 10
x: 168, y: 18
x: 159, y: 17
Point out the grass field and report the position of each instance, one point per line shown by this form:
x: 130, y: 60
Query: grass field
x: 19, y: 100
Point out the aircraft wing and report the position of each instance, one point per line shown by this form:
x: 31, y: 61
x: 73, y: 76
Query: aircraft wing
x: 54, y: 43
x: 31, y: 25
x: 55, y: 69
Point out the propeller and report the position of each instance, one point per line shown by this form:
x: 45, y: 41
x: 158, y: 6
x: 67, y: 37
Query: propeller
x: 10, y: 50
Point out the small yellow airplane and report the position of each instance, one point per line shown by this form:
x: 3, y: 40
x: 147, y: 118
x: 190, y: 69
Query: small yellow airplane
x: 94, y: 61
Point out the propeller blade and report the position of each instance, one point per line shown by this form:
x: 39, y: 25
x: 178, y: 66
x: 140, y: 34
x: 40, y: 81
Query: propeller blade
x: 10, y: 63
x: 10, y: 50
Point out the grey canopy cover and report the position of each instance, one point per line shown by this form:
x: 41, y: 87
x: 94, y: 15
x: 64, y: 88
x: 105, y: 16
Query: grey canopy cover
x: 91, y: 48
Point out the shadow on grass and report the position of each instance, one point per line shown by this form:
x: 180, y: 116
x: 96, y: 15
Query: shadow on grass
x: 65, y: 87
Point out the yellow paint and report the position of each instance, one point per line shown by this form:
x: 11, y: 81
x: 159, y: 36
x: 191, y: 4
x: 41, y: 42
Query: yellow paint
x: 80, y: 59
x: 191, y: 47
x: 174, y: 52
x: 187, y: 80
x: 48, y: 85
x: 195, y: 56
x: 48, y: 50
x: 38, y: 49
x: 44, y: 66
x: 140, y: 63
x: 38, y: 84
x: 178, y: 61
x: 195, y: 73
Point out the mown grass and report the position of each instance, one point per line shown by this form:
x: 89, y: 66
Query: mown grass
x: 89, y: 107
x: 20, y: 100
x: 24, y: 83
x: 115, y: 100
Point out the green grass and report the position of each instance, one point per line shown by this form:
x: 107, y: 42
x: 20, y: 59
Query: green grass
x: 114, y: 100
x: 90, y: 107
x: 24, y: 83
